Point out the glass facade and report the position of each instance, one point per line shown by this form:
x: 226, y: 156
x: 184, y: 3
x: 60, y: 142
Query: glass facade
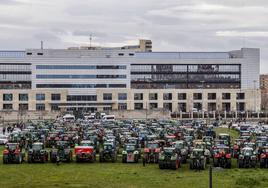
x: 81, y: 85
x: 107, y: 96
x: 40, y: 97
x: 55, y: 97
x: 81, y: 98
x: 49, y: 76
x: 163, y: 76
x: 40, y: 107
x: 81, y: 67
x: 7, y: 97
x: 122, y: 96
x: 23, y: 97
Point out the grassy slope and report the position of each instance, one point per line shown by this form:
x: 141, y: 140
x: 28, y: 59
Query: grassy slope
x: 125, y: 175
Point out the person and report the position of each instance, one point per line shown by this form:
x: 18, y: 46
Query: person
x: 4, y: 130
x: 229, y: 125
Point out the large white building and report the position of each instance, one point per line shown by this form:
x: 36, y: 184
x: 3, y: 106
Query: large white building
x: 129, y: 77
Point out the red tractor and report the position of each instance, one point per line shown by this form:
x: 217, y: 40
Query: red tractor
x: 264, y: 158
x: 222, y: 157
x: 13, y: 154
x: 151, y: 152
x: 85, y: 152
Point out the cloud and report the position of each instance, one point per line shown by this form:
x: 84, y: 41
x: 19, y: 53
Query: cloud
x: 192, y: 25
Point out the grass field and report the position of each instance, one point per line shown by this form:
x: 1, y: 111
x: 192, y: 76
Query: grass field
x: 126, y: 175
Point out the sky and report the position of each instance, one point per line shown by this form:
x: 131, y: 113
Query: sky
x: 172, y: 25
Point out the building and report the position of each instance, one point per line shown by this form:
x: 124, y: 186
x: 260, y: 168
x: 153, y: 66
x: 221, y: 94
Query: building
x: 264, y: 91
x: 129, y: 78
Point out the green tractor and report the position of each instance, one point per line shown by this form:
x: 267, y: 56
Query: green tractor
x: 130, y: 154
x: 169, y: 158
x: 198, y: 159
x: 108, y: 152
x: 37, y: 153
x: 62, y: 152
x: 247, y: 158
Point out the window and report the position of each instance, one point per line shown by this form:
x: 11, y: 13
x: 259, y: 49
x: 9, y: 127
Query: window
x: 55, y: 97
x: 39, y: 53
x: 167, y: 106
x: 23, y: 97
x: 182, y: 96
x: 240, y: 96
x: 167, y: 96
x: 212, y: 96
x: 226, y: 96
x: 198, y: 106
x: 153, y: 106
x: 138, y: 106
x: 182, y: 107
x: 40, y: 107
x: 23, y: 107
x: 81, y: 67
x: 7, y: 107
x: 107, y: 109
x: 7, y: 97
x: 40, y: 97
x: 138, y: 96
x: 226, y: 106
x: 197, y: 96
x: 81, y: 98
x: 55, y: 107
x: 122, y: 96
x: 153, y: 96
x: 212, y: 106
x: 122, y: 106
x: 240, y: 106
x: 81, y: 85
x: 107, y: 96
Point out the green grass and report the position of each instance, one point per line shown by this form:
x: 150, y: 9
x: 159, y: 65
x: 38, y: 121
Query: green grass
x: 233, y: 133
x: 126, y: 175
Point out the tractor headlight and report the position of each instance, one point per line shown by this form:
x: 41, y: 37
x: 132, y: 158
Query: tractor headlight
x: 136, y: 152
x: 124, y: 152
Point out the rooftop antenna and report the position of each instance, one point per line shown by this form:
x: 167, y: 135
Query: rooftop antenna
x: 42, y: 44
x: 90, y: 39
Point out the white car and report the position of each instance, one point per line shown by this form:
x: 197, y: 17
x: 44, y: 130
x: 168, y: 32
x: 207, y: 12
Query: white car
x: 3, y: 139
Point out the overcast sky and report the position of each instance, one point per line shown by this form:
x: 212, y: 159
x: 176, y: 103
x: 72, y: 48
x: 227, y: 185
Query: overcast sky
x: 172, y: 25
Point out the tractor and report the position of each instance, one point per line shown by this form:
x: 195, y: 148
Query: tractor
x: 226, y: 138
x: 130, y: 154
x: 198, y: 159
x: 182, y: 150
x: 61, y: 152
x: 151, y: 152
x: 264, y: 158
x: 13, y: 154
x: 108, y: 152
x: 37, y: 153
x: 85, y: 152
x: 169, y: 159
x: 247, y: 158
x: 222, y: 157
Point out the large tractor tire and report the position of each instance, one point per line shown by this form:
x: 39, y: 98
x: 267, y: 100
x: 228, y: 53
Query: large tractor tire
x: 124, y: 158
x: 18, y: 159
x: 53, y: 158
x: 228, y: 163
x: 5, y: 159
x: 240, y: 164
x: 30, y: 159
x: 161, y: 166
x: 262, y: 163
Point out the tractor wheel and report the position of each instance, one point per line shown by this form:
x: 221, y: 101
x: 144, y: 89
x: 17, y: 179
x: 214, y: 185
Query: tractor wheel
x: 156, y: 157
x: 174, y: 165
x: 18, y: 159
x: 215, y: 162
x: 240, y: 164
x: 207, y: 160
x: 191, y: 165
x: 202, y: 164
x: 136, y: 158
x: 113, y: 159
x: 5, y: 159
x: 161, y: 166
x: 262, y: 164
x: 253, y: 164
x: 229, y: 163
x: 29, y: 159
x: 124, y: 159
x: 77, y: 159
x: 53, y: 158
